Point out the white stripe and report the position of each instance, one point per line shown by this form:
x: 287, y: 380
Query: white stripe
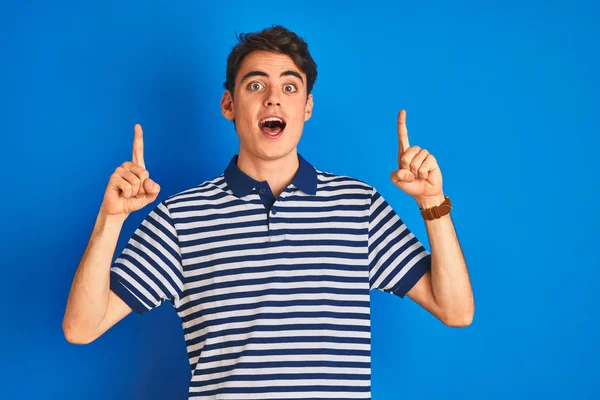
x: 200, y: 377
x: 220, y: 221
x: 270, y: 297
x: 291, y: 345
x: 193, y: 192
x: 135, y: 284
x: 407, y: 268
x: 392, y: 264
x: 231, y: 232
x: 325, y: 203
x: 286, y: 285
x: 286, y: 309
x: 317, y: 225
x: 212, y: 212
x: 274, y: 261
x: 150, y: 269
x: 334, y: 192
x: 284, y: 395
x: 291, y: 333
x: 157, y: 247
x: 282, y: 358
x: 229, y: 238
x: 283, y: 382
x: 280, y: 323
x: 274, y: 273
x: 279, y: 250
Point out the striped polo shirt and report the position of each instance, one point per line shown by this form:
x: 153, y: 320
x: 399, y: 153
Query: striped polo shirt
x: 273, y: 294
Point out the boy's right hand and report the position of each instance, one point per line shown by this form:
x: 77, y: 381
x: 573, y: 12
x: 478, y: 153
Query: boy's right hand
x: 130, y: 187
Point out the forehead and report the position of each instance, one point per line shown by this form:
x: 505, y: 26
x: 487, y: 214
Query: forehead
x: 271, y: 63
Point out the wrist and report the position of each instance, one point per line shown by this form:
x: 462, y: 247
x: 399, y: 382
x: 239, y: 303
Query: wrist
x: 430, y: 201
x: 105, y: 220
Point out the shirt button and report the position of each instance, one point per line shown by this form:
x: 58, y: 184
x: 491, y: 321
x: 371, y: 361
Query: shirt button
x: 262, y: 190
x: 273, y: 211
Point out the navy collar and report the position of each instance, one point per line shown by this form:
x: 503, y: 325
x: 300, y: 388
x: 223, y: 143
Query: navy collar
x: 241, y: 184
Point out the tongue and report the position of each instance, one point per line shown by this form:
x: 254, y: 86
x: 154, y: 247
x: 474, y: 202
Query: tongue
x: 272, y: 131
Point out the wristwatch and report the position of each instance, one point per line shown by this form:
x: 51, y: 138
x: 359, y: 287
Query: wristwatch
x: 438, y: 211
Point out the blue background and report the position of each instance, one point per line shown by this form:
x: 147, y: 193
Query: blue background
x: 504, y: 94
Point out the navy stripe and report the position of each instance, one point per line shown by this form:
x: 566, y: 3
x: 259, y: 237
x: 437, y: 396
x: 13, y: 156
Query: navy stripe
x: 385, y: 263
x: 151, y: 258
x: 219, y: 227
x: 285, y: 389
x: 284, y: 364
x: 209, y: 206
x: 322, y: 208
x: 254, y: 378
x: 323, y: 340
x: 247, y: 255
x: 264, y: 292
x: 120, y: 287
x: 218, y: 238
x: 327, y: 199
x: 412, y: 277
x: 141, y: 284
x: 330, y: 230
x: 280, y: 316
x: 272, y: 303
x: 277, y: 328
x: 282, y: 352
x: 288, y: 242
x: 320, y: 219
x: 215, y: 216
x: 266, y: 257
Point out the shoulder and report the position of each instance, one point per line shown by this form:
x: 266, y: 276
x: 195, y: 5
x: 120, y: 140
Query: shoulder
x: 327, y: 180
x: 205, y: 191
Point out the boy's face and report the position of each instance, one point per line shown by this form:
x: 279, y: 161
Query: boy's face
x: 268, y: 85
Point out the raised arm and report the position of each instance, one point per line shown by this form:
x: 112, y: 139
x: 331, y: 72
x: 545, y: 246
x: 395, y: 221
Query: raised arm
x: 92, y: 308
x: 446, y: 290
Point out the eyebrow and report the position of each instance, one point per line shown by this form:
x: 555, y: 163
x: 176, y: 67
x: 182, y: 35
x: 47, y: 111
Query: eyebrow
x: 262, y: 73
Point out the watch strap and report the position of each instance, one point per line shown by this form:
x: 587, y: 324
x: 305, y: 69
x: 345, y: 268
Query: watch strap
x: 436, y: 212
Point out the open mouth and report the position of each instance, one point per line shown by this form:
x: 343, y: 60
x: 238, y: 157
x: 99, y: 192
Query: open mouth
x: 272, y: 126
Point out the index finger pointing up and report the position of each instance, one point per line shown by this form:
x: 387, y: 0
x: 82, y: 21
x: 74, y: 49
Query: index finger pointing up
x: 402, y: 133
x: 138, y: 146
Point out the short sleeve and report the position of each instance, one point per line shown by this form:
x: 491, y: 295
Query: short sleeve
x: 397, y: 260
x: 149, y: 269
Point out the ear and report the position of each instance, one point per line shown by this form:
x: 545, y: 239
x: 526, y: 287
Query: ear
x: 227, y: 106
x: 308, y: 108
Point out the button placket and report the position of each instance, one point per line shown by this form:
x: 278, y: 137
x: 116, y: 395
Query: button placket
x: 273, y: 219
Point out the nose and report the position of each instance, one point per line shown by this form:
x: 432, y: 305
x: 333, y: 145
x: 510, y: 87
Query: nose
x: 272, y: 98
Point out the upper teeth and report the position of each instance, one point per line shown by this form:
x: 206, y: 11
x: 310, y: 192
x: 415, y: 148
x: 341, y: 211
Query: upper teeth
x: 271, y: 119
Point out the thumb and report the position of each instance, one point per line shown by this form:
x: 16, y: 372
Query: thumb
x: 402, y: 175
x: 150, y: 186
x: 152, y: 189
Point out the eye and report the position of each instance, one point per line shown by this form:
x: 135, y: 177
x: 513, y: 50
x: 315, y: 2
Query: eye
x: 254, y: 86
x: 290, y: 88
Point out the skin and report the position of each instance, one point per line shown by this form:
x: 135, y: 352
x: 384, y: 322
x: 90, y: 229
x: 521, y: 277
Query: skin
x: 280, y: 88
x: 445, y: 291
x: 92, y: 308
x: 264, y: 159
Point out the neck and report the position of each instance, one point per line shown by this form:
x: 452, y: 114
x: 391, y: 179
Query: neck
x: 278, y: 173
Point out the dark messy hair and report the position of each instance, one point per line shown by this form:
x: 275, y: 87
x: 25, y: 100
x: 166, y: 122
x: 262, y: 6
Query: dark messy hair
x: 276, y: 39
